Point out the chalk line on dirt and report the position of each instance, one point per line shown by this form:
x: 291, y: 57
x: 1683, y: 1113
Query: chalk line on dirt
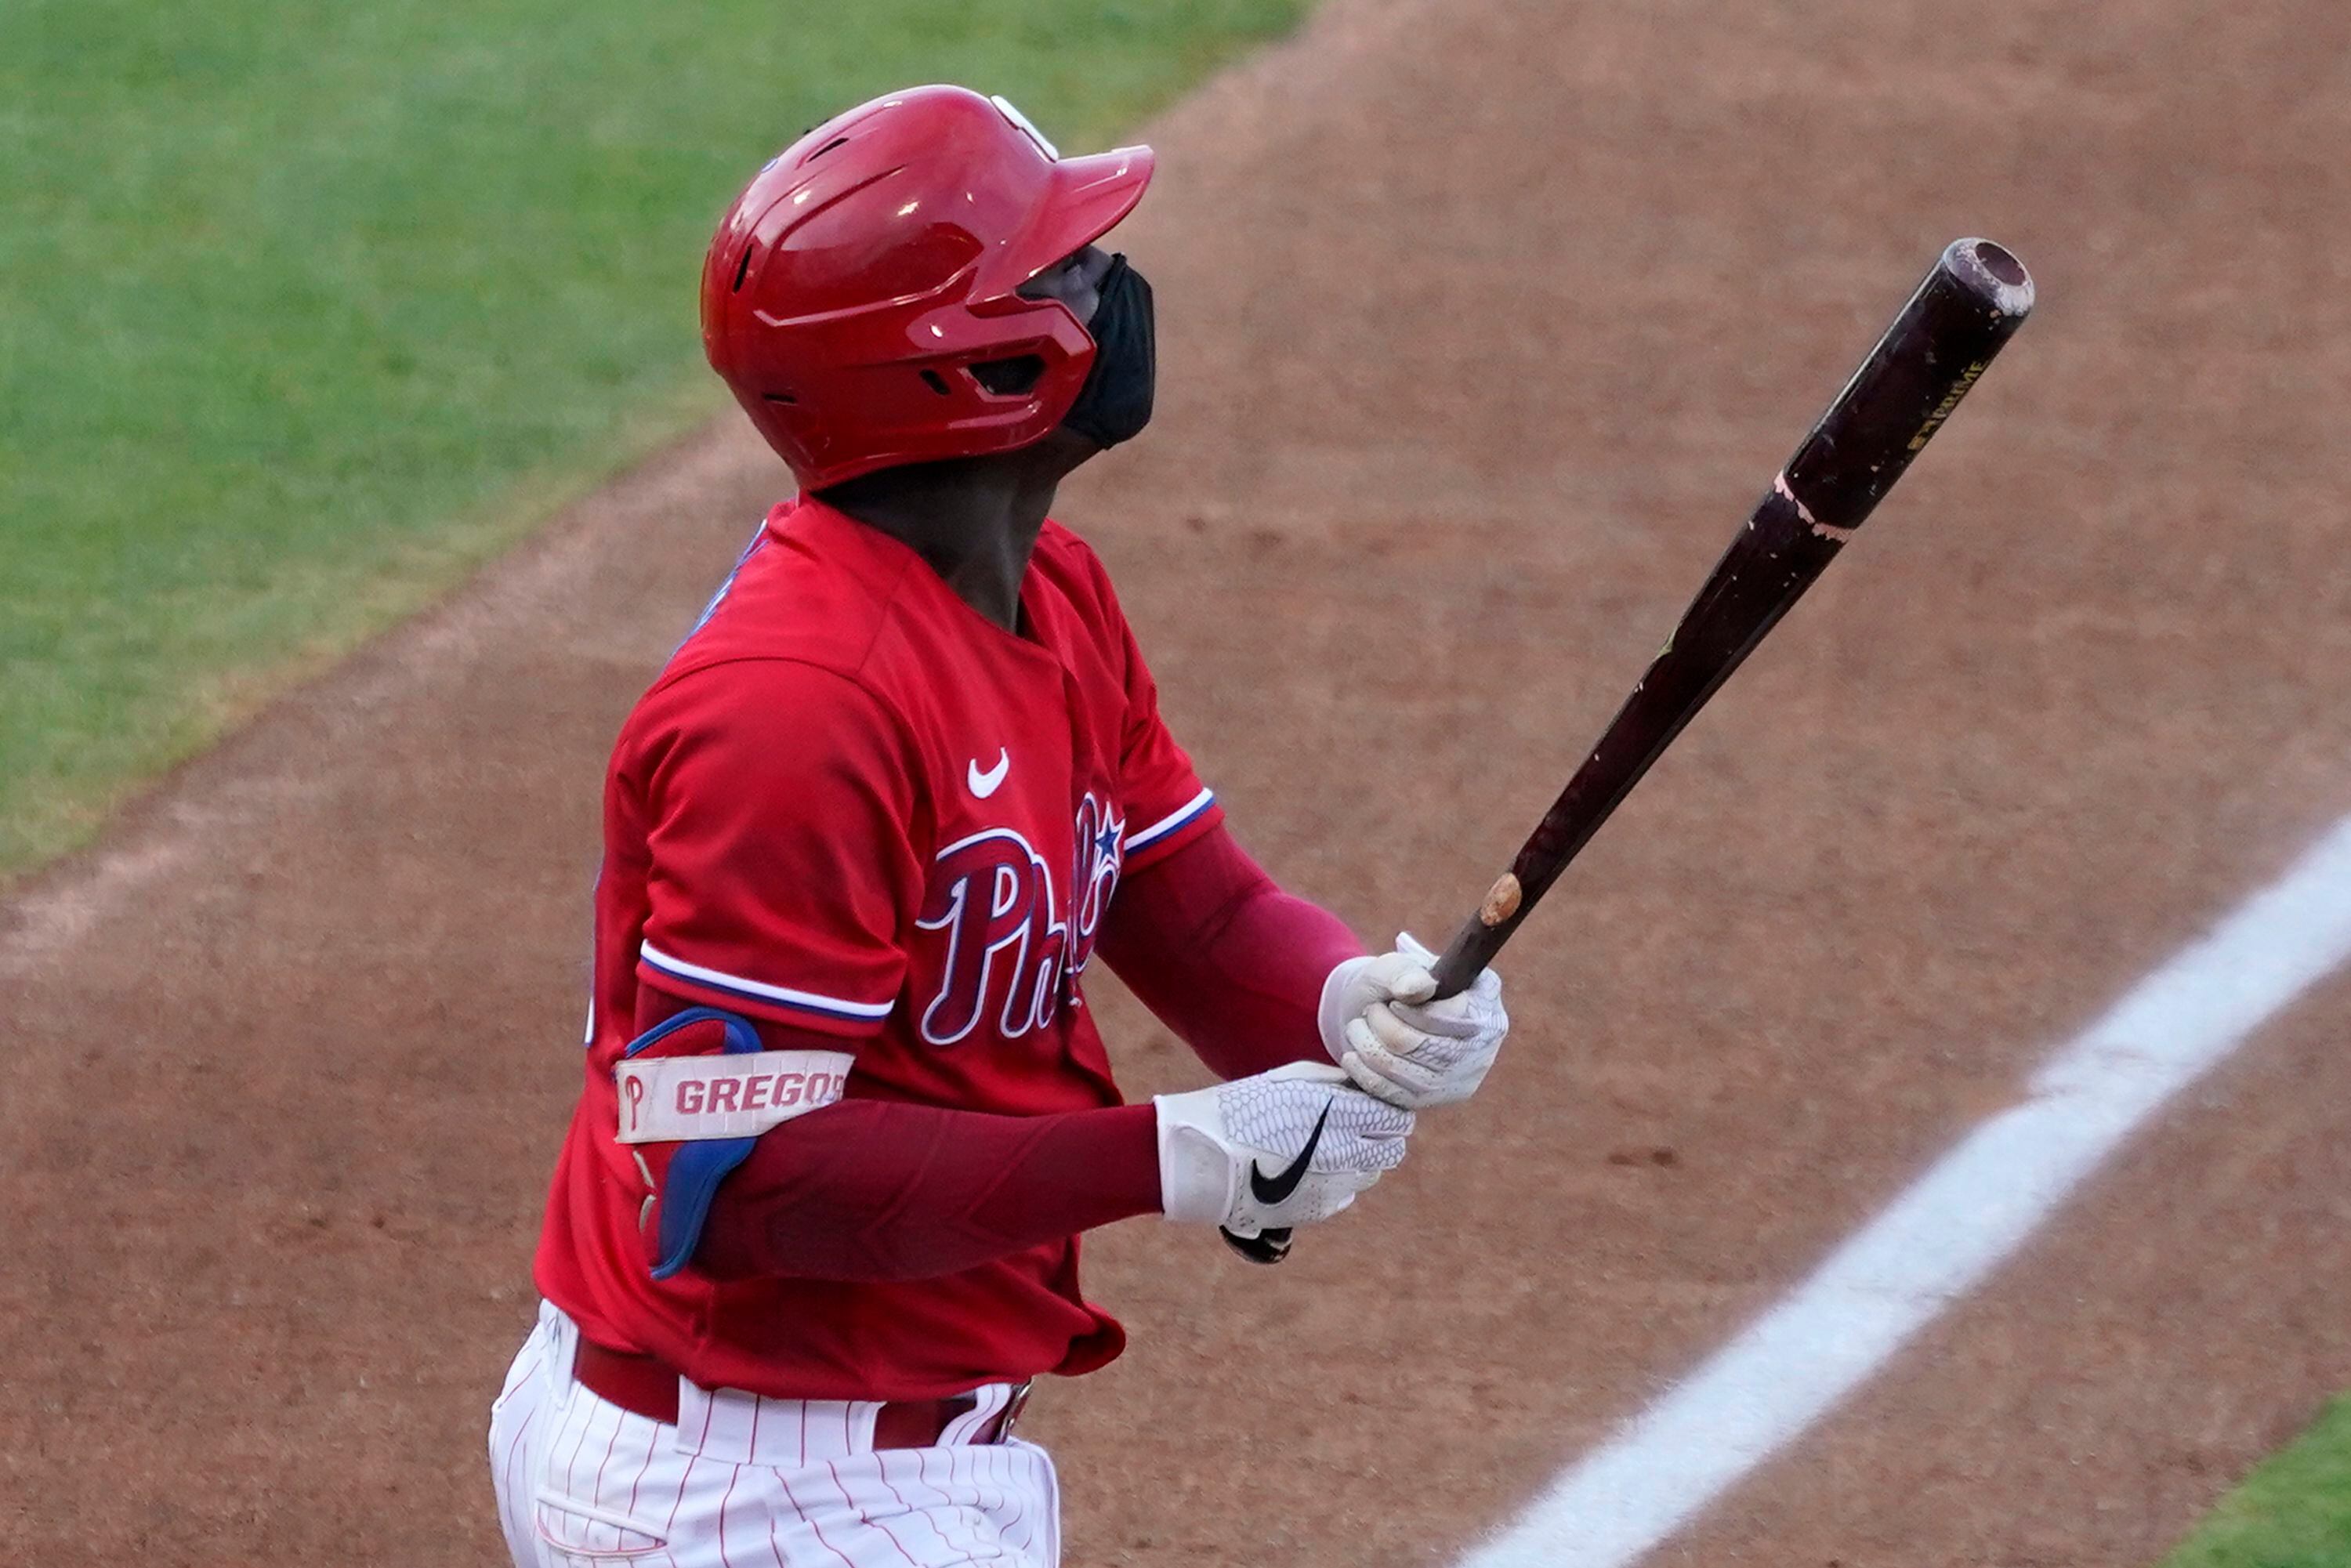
x: 1943, y: 1235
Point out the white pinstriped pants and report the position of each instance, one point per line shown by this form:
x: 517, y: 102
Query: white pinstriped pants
x: 743, y: 1481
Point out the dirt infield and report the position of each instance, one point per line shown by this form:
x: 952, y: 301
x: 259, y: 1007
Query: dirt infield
x: 1482, y: 322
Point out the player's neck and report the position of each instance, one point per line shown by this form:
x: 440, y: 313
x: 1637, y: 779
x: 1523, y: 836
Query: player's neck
x: 975, y: 523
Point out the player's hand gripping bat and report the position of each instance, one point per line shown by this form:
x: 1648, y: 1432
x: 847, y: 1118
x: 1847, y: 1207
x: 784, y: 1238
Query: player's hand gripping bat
x: 1968, y: 307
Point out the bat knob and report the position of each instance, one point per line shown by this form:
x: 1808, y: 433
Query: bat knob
x: 1267, y: 1247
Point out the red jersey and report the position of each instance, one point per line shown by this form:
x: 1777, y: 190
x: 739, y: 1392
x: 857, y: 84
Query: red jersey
x: 853, y: 805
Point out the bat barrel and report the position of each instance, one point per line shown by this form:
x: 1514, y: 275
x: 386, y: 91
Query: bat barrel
x: 1971, y: 303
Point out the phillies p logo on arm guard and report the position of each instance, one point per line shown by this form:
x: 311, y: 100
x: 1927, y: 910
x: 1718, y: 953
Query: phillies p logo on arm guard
x: 690, y: 1099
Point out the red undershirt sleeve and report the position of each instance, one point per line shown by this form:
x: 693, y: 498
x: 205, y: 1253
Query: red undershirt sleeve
x: 1227, y: 959
x: 874, y: 1190
x: 871, y: 1190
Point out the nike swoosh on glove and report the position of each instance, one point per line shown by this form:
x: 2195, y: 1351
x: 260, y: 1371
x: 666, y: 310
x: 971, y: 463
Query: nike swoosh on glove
x: 1377, y: 1022
x: 1281, y: 1149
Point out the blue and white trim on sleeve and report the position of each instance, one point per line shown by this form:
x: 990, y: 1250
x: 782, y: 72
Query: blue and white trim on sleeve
x: 1165, y: 825
x: 781, y: 996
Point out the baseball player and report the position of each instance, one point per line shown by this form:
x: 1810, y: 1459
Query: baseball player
x: 814, y: 1227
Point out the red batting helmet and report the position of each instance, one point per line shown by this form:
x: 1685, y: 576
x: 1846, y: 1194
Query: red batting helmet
x: 859, y: 297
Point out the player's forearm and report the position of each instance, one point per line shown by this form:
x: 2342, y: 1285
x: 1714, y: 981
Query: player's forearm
x: 870, y: 1190
x: 1226, y: 959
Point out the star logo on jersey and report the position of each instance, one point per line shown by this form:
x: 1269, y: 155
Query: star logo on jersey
x: 983, y: 785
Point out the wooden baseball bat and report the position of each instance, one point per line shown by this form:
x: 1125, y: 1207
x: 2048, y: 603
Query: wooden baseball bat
x: 1971, y: 303
x: 1968, y: 306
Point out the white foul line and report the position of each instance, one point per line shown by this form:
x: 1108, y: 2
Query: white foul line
x: 1940, y: 1238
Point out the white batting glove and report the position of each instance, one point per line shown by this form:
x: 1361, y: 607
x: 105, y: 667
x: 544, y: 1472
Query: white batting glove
x: 1284, y: 1148
x: 1378, y: 1024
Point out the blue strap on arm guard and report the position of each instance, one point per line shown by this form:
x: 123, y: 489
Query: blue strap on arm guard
x: 695, y: 1168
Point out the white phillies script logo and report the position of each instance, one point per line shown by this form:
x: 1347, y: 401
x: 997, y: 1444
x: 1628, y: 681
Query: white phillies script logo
x: 1014, y: 948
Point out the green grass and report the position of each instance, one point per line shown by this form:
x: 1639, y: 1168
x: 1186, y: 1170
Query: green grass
x: 2292, y: 1512
x: 308, y: 306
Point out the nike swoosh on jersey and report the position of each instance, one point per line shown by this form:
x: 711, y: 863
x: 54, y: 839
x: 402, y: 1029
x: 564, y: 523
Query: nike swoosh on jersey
x: 1273, y: 1189
x: 983, y: 785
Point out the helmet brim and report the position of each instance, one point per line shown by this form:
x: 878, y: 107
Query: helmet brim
x: 1085, y: 199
